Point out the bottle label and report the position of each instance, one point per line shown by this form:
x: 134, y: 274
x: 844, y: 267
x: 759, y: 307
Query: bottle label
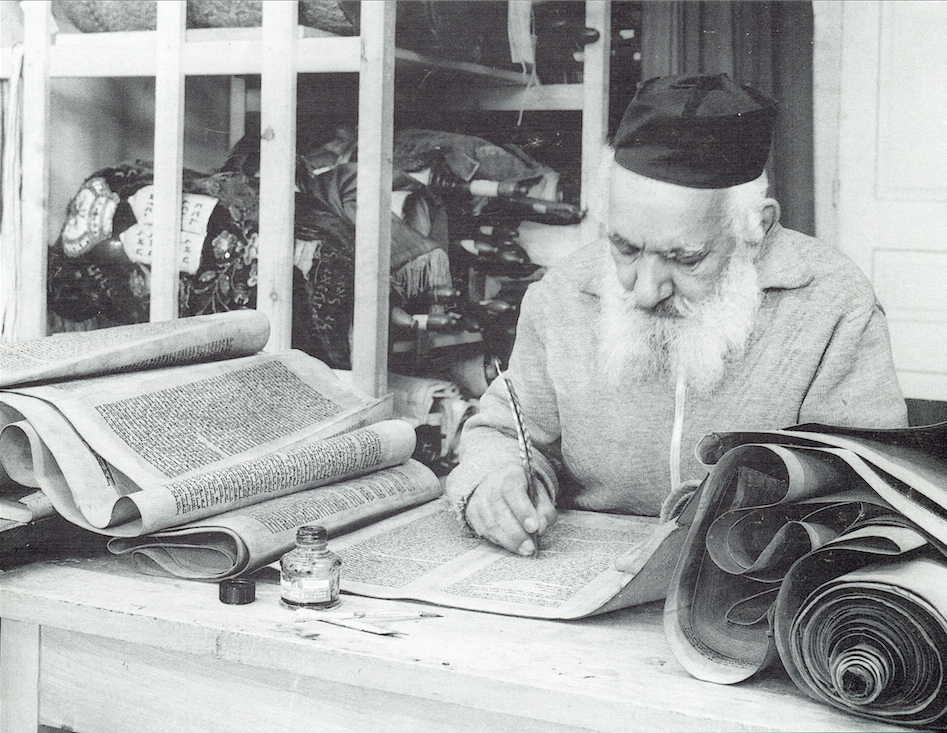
x: 309, y: 590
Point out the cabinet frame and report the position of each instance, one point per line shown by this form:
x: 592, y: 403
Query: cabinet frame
x: 171, y: 53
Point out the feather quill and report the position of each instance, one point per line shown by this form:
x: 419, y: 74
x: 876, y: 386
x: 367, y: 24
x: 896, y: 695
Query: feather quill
x: 525, y: 444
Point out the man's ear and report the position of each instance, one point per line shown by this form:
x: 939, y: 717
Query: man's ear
x: 769, y: 216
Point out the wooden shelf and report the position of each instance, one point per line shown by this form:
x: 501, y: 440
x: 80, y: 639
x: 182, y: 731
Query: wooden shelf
x: 512, y: 99
x: 206, y: 52
x: 436, y: 340
x: 239, y: 51
x: 473, y: 73
x: 487, y: 88
x: 531, y: 98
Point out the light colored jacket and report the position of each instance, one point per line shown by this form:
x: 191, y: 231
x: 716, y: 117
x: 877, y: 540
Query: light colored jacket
x: 819, y: 352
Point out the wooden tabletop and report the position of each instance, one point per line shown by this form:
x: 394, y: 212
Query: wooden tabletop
x: 463, y: 671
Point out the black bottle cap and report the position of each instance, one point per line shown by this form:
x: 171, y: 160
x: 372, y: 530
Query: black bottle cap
x: 237, y: 591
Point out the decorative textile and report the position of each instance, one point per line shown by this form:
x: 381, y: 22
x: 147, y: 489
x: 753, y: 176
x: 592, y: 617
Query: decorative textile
x: 337, y: 190
x: 468, y: 156
x: 99, y: 267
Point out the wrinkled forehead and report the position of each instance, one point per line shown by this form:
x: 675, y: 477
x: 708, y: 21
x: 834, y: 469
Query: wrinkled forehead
x: 645, y: 210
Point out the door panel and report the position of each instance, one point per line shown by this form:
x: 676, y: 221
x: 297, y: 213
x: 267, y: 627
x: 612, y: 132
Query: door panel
x: 891, y: 181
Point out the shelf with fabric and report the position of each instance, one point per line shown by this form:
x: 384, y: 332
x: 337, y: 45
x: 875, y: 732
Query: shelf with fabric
x: 278, y: 51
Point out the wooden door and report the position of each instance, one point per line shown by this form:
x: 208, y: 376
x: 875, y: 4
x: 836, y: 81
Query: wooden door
x: 881, y: 118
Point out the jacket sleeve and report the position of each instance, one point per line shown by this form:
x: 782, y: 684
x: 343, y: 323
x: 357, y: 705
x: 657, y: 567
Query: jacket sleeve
x: 488, y: 441
x: 856, y: 384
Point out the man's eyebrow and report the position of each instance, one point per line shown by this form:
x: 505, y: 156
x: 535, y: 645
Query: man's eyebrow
x: 618, y: 239
x: 683, y: 250
x: 689, y: 250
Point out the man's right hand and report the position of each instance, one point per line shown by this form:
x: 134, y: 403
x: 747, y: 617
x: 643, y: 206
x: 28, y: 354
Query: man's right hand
x: 500, y: 511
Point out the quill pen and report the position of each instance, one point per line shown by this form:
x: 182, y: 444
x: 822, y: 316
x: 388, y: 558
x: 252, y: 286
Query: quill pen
x: 525, y: 445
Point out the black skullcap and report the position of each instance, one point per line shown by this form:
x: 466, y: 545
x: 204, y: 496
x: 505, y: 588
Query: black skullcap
x: 699, y: 131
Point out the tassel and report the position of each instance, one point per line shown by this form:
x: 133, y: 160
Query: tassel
x: 423, y: 273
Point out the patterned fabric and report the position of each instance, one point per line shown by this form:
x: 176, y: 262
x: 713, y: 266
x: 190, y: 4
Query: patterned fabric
x: 99, y: 268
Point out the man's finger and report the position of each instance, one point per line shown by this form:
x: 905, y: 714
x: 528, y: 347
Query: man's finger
x: 547, y: 511
x: 489, y: 511
x: 523, y: 509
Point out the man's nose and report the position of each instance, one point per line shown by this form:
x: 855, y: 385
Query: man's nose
x: 648, y: 279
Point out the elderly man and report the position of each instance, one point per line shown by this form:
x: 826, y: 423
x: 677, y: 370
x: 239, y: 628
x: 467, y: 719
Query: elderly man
x: 696, y: 313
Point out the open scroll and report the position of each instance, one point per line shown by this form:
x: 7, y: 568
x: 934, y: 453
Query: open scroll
x: 130, y: 453
x: 424, y: 554
x: 134, y: 347
x: 824, y: 548
x: 241, y: 540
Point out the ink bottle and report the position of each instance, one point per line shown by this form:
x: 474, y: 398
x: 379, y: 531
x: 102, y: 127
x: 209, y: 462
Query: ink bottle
x: 309, y: 573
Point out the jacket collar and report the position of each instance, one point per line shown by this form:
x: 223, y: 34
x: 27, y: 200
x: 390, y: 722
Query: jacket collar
x: 779, y: 264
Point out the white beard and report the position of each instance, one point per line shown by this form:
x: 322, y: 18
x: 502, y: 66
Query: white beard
x: 693, y: 340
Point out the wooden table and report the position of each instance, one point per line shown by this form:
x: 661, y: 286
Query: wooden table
x: 89, y: 645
